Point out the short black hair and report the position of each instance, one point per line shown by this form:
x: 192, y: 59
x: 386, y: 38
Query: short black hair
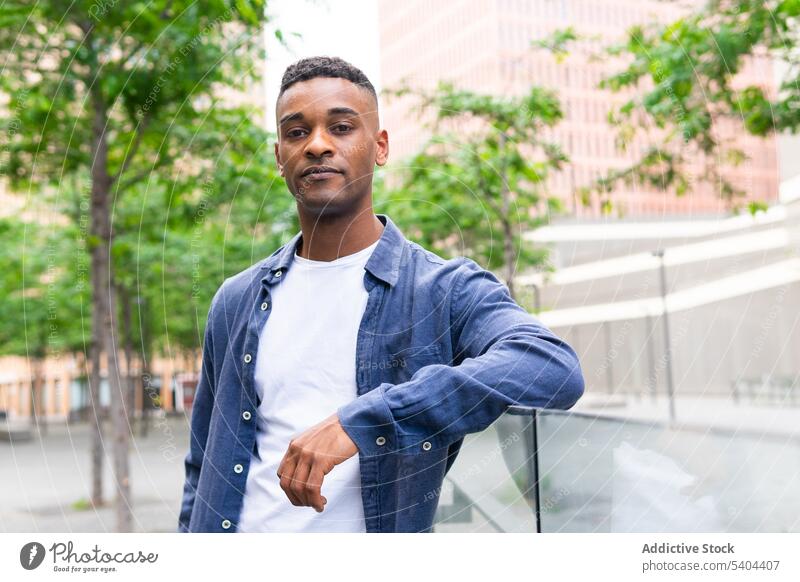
x: 313, y: 67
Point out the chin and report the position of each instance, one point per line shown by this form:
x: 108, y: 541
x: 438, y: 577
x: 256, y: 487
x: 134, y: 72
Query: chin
x: 326, y: 203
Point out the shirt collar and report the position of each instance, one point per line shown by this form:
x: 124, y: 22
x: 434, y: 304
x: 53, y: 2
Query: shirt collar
x: 383, y: 263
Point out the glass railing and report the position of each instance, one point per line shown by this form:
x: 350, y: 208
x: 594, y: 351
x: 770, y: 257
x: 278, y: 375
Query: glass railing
x: 566, y: 471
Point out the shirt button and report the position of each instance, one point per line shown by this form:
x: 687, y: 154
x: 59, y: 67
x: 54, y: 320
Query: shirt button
x: 248, y: 358
x: 238, y: 468
x: 264, y: 306
x: 226, y: 524
x: 426, y: 445
x: 246, y: 415
x: 380, y: 440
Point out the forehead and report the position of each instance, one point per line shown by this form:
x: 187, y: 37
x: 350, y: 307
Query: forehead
x: 321, y: 94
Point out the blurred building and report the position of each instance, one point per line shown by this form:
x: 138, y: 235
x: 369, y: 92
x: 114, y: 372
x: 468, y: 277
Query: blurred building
x: 64, y: 395
x: 730, y: 289
x: 484, y: 46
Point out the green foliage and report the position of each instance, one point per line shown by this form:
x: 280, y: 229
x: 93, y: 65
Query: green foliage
x: 45, y: 306
x: 682, y: 75
x: 152, y: 69
x: 82, y: 504
x: 452, y: 195
x: 558, y: 42
x: 193, y: 192
x: 174, y: 253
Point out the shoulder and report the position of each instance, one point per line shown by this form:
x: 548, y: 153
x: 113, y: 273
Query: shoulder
x: 240, y: 287
x: 452, y: 275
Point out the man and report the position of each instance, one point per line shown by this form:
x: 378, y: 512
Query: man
x: 341, y: 373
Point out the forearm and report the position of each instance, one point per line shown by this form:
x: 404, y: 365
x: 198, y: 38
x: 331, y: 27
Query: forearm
x: 440, y: 404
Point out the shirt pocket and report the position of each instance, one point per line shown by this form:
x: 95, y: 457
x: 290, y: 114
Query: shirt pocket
x: 403, y: 364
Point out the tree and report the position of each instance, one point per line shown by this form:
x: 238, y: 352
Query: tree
x: 40, y: 315
x: 172, y: 253
x: 683, y: 78
x: 105, y: 97
x: 466, y: 189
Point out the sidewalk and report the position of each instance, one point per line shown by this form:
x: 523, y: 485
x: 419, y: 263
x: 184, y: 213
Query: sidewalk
x: 45, y: 477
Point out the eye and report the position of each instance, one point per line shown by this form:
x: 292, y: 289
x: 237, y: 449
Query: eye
x: 344, y: 126
x: 292, y: 132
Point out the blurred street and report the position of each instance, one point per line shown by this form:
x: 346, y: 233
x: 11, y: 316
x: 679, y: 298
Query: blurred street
x: 46, y: 480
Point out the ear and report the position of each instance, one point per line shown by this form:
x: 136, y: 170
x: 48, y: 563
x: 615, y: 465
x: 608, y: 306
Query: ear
x: 382, y: 152
x: 278, y: 158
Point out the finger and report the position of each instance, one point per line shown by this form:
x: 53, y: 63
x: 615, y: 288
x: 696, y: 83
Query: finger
x: 299, y: 480
x: 286, y: 485
x: 285, y: 472
x: 314, y: 488
x: 281, y: 467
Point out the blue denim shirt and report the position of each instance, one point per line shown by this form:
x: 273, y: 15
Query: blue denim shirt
x: 442, y: 351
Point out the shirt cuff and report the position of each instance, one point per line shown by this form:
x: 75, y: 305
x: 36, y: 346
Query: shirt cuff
x: 368, y: 421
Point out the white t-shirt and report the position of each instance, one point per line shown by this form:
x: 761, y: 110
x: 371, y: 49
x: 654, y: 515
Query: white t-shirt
x: 306, y: 370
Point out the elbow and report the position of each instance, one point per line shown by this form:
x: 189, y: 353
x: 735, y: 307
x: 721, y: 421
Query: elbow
x: 574, y: 387
x: 556, y: 372
x: 569, y: 382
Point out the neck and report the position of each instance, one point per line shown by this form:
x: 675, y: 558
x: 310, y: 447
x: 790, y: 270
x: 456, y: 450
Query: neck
x: 327, y: 238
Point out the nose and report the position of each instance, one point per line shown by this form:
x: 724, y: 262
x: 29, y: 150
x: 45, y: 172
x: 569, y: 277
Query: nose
x: 318, y: 144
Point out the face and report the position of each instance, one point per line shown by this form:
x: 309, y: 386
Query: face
x: 329, y: 122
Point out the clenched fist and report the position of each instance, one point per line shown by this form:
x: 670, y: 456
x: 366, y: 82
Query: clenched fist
x: 311, y: 456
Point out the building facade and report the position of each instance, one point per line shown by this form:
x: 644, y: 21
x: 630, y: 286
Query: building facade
x: 484, y: 46
x: 64, y: 396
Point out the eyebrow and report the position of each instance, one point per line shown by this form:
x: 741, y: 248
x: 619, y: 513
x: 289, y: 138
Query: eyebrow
x: 331, y: 111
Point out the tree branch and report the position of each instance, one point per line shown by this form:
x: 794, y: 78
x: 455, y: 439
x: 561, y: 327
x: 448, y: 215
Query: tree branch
x: 131, y: 152
x: 160, y: 163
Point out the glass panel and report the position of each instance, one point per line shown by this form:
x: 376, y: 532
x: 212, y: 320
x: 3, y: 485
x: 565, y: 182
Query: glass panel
x: 489, y: 487
x: 613, y: 475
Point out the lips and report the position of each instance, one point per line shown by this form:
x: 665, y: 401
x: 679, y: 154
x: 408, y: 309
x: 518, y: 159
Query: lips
x: 316, y: 177
x: 319, y: 172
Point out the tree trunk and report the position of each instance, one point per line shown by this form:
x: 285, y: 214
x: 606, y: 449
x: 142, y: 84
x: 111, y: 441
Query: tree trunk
x: 146, y: 377
x: 95, y: 414
x: 103, y: 307
x: 509, y: 256
x: 38, y: 420
x: 127, y: 330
